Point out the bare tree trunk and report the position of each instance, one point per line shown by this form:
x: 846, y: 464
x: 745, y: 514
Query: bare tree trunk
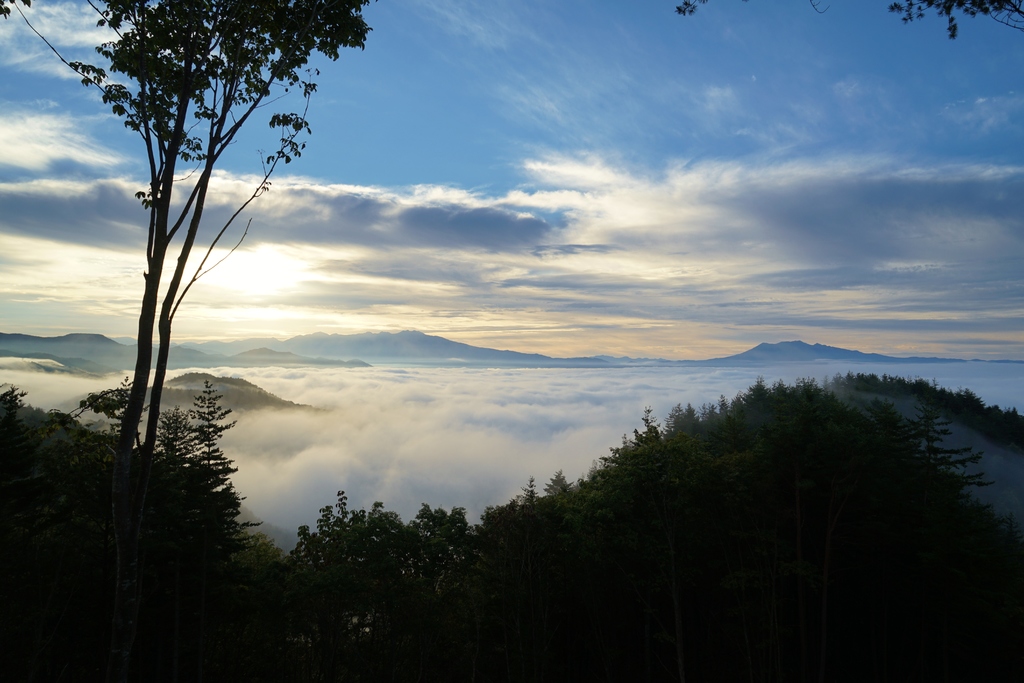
x: 202, y: 612
x: 126, y: 605
x: 177, y: 617
x: 647, y: 637
x: 677, y: 610
x: 824, y: 608
x: 126, y: 500
x: 834, y: 512
x: 800, y: 587
x: 678, y: 617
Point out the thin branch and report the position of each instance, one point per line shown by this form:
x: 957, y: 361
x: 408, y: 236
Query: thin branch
x: 1012, y: 15
x: 88, y: 80
x: 188, y: 175
x: 199, y: 271
x: 274, y: 73
x: 100, y: 12
x: 269, y: 102
x: 260, y: 190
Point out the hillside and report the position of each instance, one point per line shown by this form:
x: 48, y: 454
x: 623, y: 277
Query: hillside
x: 997, y: 435
x: 239, y: 395
x: 994, y: 433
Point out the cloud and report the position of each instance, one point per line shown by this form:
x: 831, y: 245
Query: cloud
x: 458, y: 227
x: 718, y: 101
x: 302, y: 211
x: 570, y: 249
x: 985, y: 115
x: 492, y: 25
x: 106, y: 212
x: 69, y: 26
x: 36, y: 141
x: 868, y: 217
x: 846, y: 210
x: 100, y: 213
x: 589, y: 244
x: 848, y: 88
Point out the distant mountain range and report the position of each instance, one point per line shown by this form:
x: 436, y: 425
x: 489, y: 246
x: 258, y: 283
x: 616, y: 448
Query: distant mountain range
x: 396, y: 348
x: 96, y: 354
x: 417, y: 348
x: 99, y: 355
x: 788, y: 352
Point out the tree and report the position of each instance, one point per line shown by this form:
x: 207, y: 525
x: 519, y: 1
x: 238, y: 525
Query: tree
x: 190, y: 532
x: 186, y: 76
x: 15, y: 448
x: 1008, y: 12
x: 656, y: 484
x: 56, y: 529
x: 558, y: 484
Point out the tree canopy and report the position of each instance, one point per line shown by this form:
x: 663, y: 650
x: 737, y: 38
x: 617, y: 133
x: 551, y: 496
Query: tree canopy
x: 1008, y: 12
x: 792, y: 533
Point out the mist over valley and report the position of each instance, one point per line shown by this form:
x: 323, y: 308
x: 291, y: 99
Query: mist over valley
x: 473, y: 436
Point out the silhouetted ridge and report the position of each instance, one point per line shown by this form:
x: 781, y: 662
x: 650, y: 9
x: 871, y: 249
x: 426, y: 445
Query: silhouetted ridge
x: 239, y: 394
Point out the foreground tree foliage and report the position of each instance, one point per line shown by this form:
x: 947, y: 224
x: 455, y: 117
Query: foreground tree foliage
x: 784, y: 535
x: 186, y: 76
x: 59, y: 584
x: 1007, y: 12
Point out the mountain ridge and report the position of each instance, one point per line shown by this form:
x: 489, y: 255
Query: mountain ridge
x: 95, y: 353
x: 238, y: 394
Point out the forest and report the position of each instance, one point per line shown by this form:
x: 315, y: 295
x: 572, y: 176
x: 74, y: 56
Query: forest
x: 796, y: 532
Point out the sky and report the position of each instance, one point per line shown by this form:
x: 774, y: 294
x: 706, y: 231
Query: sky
x: 567, y: 178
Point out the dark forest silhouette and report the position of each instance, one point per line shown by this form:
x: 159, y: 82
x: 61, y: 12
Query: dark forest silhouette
x: 789, y: 534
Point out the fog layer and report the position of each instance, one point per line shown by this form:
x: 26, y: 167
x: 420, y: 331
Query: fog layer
x: 466, y: 437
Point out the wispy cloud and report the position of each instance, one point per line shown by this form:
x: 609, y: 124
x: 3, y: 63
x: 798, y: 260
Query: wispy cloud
x: 36, y: 141
x: 493, y: 25
x: 71, y: 27
x: 985, y: 115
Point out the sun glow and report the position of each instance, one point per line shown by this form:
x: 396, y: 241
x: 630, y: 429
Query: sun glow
x: 261, y: 271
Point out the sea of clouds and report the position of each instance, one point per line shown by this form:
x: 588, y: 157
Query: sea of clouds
x: 466, y: 437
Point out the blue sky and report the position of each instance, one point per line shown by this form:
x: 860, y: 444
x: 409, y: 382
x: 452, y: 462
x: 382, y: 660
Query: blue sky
x: 569, y: 178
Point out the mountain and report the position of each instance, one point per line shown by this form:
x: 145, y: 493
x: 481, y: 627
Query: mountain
x: 95, y: 354
x: 792, y: 351
x: 47, y: 362
x: 264, y: 357
x: 408, y: 347
x: 92, y: 347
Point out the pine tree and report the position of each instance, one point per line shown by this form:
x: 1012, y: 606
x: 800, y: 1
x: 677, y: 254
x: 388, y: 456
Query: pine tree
x: 558, y: 484
x: 191, y: 531
x: 216, y: 501
x: 16, y: 452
